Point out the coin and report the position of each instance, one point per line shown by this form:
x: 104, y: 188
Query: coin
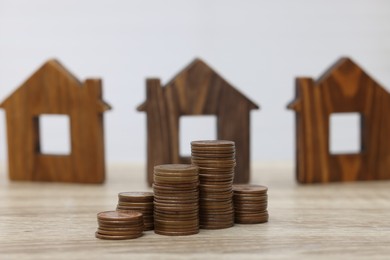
x: 135, y: 196
x: 176, y: 233
x: 251, y: 189
x: 110, y: 237
x: 119, y: 225
x: 176, y: 168
x: 119, y: 216
x: 212, y: 143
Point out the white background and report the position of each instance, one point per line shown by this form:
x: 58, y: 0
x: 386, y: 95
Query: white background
x: 258, y: 46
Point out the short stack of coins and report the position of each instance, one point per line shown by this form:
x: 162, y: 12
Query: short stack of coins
x: 176, y: 195
x: 216, y: 161
x: 115, y: 225
x: 138, y: 201
x: 250, y: 203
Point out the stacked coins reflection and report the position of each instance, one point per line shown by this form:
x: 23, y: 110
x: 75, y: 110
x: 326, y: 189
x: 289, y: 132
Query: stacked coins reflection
x: 116, y: 225
x: 176, y: 195
x: 250, y: 203
x: 138, y: 201
x: 216, y: 162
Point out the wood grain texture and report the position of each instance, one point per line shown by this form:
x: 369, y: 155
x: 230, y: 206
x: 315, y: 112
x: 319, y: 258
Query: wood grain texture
x: 345, y: 87
x: 335, y: 221
x: 196, y: 90
x: 53, y: 90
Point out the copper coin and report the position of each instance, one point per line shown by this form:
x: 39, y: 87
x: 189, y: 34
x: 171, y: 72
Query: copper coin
x: 177, y: 222
x: 136, y: 204
x: 215, y: 202
x: 247, y: 211
x: 250, y: 209
x: 213, y: 151
x: 219, y: 165
x: 250, y: 198
x: 170, y: 227
x: 213, y: 155
x: 119, y: 233
x: 121, y: 228
x: 175, y: 180
x: 215, y: 212
x: 216, y: 226
x: 183, y: 195
x: 212, y: 147
x: 178, y: 213
x: 177, y: 233
x: 119, y: 224
x: 175, y: 193
x: 175, y: 229
x: 208, y: 143
x: 175, y: 217
x: 249, y: 188
x: 251, y: 213
x: 176, y: 208
x: 133, y: 208
x: 177, y: 187
x: 215, y: 170
x: 174, y: 202
x: 108, y: 231
x: 100, y: 236
x: 204, y: 188
x: 167, y: 204
x: 144, y: 211
x: 251, y: 205
x: 215, y: 198
x: 217, y: 219
x: 176, y: 168
x: 135, y: 196
x: 216, y: 178
x: 119, y: 216
x: 249, y: 202
x: 217, y: 181
x: 246, y: 220
x: 176, y: 173
x: 214, y: 161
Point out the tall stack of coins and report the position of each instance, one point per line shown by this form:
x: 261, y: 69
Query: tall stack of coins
x: 116, y: 225
x: 216, y: 162
x: 176, y: 195
x: 138, y: 201
x: 250, y: 203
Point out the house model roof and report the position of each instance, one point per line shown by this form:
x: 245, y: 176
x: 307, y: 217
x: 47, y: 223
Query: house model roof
x: 43, y: 74
x: 196, y: 77
x: 346, y: 73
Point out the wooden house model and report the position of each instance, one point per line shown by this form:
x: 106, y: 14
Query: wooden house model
x: 54, y: 90
x: 196, y: 90
x: 344, y: 88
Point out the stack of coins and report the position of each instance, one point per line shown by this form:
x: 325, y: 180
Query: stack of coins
x: 216, y: 162
x: 176, y: 196
x: 138, y: 201
x: 250, y: 203
x: 116, y: 225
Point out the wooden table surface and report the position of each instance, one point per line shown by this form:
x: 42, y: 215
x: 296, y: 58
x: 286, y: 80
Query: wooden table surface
x: 51, y: 221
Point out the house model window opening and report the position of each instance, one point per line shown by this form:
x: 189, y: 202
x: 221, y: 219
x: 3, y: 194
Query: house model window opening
x: 54, y: 134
